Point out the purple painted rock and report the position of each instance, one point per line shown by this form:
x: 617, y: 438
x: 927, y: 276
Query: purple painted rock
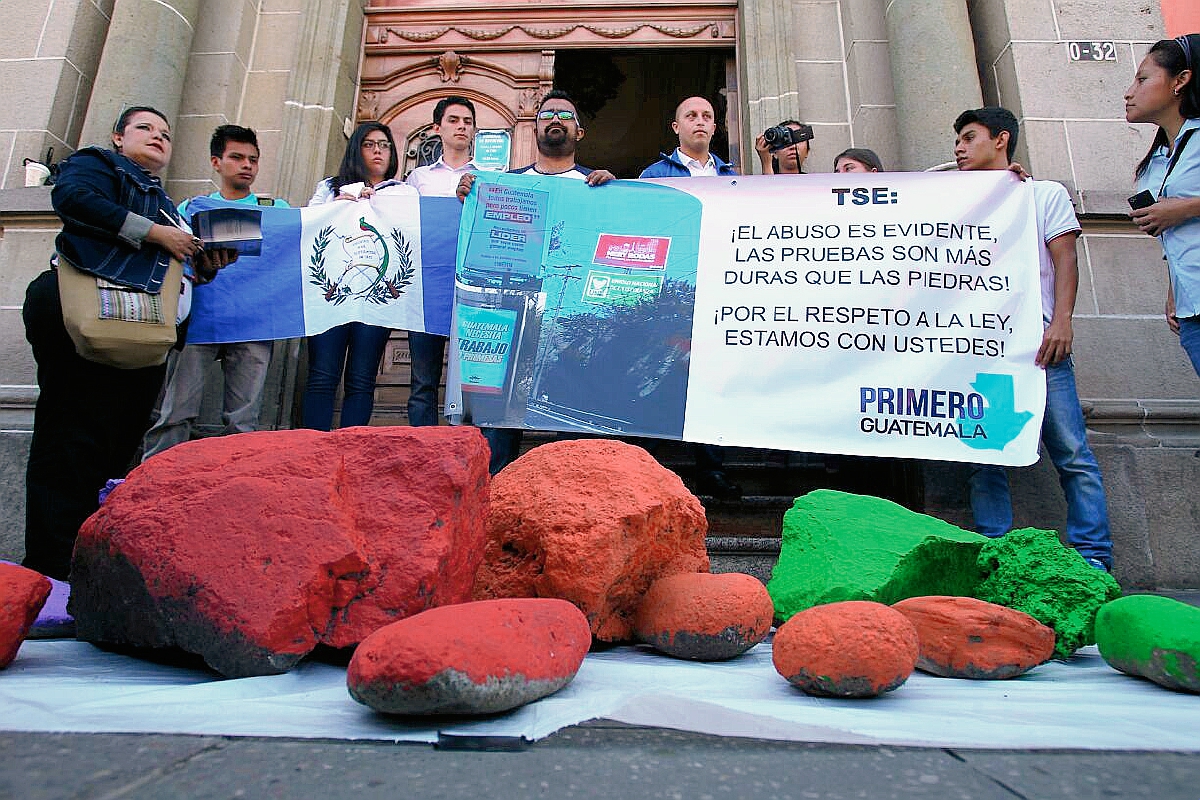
x: 22, y: 594
x: 251, y: 550
x: 855, y: 648
x: 474, y: 658
x: 962, y: 637
x: 704, y: 617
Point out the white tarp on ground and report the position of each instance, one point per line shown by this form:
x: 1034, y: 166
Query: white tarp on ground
x: 69, y: 686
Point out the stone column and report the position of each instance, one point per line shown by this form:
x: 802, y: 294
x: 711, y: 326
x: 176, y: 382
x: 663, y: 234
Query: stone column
x: 144, y: 62
x: 769, y: 86
x: 934, y: 74
x: 320, y: 94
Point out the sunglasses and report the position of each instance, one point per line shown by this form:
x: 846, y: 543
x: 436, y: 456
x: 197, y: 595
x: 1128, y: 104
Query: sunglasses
x: 563, y: 115
x: 381, y: 145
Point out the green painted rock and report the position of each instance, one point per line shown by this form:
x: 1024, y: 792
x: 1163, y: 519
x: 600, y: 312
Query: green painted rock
x: 1154, y: 637
x: 1030, y: 570
x: 839, y: 546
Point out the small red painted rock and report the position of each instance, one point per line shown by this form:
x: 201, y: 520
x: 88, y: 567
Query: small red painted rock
x: 962, y: 637
x: 474, y: 658
x: 851, y: 649
x: 22, y: 594
x: 704, y: 617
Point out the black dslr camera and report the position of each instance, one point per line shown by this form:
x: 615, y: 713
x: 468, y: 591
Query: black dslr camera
x: 782, y: 136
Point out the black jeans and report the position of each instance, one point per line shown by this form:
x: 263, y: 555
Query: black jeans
x: 88, y: 423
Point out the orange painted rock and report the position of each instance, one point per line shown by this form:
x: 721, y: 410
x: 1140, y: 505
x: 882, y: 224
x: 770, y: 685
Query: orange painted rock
x: 962, y: 637
x: 473, y: 658
x: 23, y: 592
x: 251, y: 550
x: 704, y: 617
x: 592, y: 521
x: 856, y: 648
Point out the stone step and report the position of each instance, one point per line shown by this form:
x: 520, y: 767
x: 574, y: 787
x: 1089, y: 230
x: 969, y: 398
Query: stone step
x: 752, y: 555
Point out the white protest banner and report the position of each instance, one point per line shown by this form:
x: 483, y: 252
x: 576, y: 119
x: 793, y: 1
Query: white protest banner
x: 889, y: 314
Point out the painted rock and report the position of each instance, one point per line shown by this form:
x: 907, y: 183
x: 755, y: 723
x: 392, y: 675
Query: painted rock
x: 1032, y: 571
x: 592, y: 521
x: 840, y: 546
x: 855, y: 648
x: 1153, y: 637
x: 962, y: 637
x: 22, y: 594
x: 251, y: 550
x: 704, y: 617
x: 474, y: 658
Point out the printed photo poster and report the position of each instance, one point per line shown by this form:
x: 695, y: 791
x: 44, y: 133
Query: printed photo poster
x: 889, y: 314
x: 574, y: 306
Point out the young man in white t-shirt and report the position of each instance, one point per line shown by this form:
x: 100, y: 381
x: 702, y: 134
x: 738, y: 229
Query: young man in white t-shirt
x: 985, y: 138
x: 234, y: 155
x: 454, y: 123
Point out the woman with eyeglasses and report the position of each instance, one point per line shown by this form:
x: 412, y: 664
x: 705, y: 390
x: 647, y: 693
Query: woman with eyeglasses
x: 1166, y: 92
x: 119, y: 225
x: 354, y: 348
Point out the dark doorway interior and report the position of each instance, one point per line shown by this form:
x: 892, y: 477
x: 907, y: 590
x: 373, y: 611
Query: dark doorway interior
x: 628, y: 99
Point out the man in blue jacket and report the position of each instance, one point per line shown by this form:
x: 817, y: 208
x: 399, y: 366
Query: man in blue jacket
x: 695, y: 123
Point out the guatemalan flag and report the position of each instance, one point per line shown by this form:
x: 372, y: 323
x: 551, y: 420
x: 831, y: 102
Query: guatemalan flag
x: 387, y: 260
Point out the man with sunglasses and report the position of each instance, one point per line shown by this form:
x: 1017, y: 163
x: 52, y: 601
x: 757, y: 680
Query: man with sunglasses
x: 557, y: 131
x: 695, y: 123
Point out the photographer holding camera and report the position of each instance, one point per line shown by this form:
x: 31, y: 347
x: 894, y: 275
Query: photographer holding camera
x: 783, y: 148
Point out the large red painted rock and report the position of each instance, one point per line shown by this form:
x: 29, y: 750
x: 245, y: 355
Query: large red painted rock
x: 593, y: 521
x: 704, y: 617
x: 251, y: 550
x: 856, y: 648
x: 962, y: 637
x: 474, y: 658
x: 22, y: 594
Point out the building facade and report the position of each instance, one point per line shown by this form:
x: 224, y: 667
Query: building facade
x: 886, y: 74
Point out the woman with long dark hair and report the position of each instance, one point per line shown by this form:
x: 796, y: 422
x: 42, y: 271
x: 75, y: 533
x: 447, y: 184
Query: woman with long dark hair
x: 1166, y: 92
x: 354, y: 348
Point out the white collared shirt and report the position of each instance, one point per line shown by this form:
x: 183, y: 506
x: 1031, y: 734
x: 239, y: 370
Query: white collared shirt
x: 439, y: 179
x: 698, y: 169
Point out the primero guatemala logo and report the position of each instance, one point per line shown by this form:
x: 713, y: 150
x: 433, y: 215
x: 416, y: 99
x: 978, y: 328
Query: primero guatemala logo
x: 985, y: 419
x: 367, y: 269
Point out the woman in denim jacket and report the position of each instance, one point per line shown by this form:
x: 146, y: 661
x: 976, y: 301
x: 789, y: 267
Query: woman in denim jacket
x: 118, y: 224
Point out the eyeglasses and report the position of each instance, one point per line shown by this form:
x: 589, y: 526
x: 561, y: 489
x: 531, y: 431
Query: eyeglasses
x: 563, y: 115
x: 382, y: 145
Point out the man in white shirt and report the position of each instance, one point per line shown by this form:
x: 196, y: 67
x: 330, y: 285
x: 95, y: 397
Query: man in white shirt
x: 985, y: 138
x: 454, y: 123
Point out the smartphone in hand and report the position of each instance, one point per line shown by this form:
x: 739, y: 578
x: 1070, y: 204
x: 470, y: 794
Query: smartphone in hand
x: 1141, y: 199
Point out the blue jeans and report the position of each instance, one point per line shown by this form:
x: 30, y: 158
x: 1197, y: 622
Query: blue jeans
x: 355, y: 347
x: 428, y: 351
x: 1189, y: 337
x: 244, y: 365
x: 1064, y: 435
x: 505, y: 444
